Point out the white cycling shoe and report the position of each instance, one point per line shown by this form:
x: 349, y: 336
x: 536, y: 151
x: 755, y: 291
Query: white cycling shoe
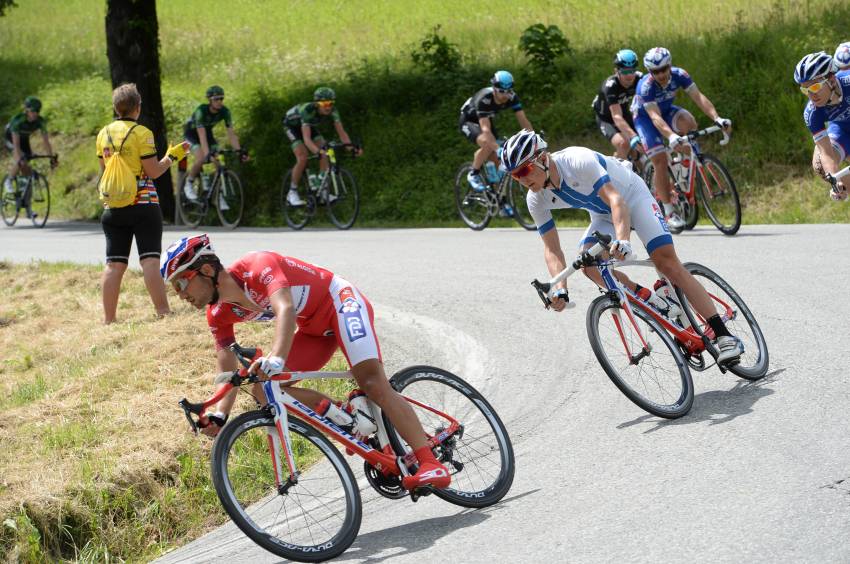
x: 730, y: 348
x: 675, y: 223
x: 189, y: 191
x: 476, y: 182
x: 293, y: 199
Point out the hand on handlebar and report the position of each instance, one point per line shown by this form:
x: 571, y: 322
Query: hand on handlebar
x: 210, y: 425
x: 838, y: 192
x: 244, y: 156
x: 725, y: 124
x: 560, y: 299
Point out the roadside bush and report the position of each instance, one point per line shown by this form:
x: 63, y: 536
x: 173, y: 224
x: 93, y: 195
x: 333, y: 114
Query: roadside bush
x: 436, y: 53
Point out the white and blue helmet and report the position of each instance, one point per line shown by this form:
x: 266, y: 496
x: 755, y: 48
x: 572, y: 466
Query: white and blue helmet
x: 814, y: 66
x: 520, y: 148
x: 657, y: 58
x: 503, y: 80
x: 842, y: 56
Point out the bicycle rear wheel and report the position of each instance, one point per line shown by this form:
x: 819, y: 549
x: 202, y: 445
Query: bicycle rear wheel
x: 738, y: 318
x: 316, y: 519
x: 342, y: 198
x: 297, y: 215
x: 480, y: 459
x: 192, y: 212
x: 655, y: 378
x: 473, y: 207
x: 38, y: 200
x: 516, y: 197
x: 229, y: 199
x: 9, y: 203
x: 719, y: 195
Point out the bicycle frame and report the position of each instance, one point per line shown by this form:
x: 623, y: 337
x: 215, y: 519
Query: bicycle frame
x: 284, y: 405
x: 695, y: 162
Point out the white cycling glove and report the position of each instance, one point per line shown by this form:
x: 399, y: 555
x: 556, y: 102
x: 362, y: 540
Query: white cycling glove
x: 675, y: 139
x: 272, y: 365
x: 623, y: 247
x: 634, y: 141
x: 723, y: 122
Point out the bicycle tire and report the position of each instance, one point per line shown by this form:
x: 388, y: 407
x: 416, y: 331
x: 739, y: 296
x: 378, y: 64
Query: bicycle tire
x: 39, y: 200
x: 297, y: 217
x: 228, y: 189
x: 342, y: 198
x: 516, y: 197
x: 473, y: 207
x: 690, y: 214
x: 723, y: 206
x: 9, y: 204
x: 682, y: 384
x: 753, y: 365
x: 192, y: 212
x: 484, y: 439
x: 328, y: 470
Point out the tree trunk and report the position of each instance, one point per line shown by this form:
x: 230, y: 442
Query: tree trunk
x: 132, y: 46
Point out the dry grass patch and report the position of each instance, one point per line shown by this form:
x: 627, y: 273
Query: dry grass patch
x: 97, y: 462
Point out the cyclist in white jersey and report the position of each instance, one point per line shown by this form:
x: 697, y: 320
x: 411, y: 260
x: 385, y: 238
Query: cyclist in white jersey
x: 618, y: 201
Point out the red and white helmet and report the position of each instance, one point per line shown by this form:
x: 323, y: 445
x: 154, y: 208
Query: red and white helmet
x: 183, y: 254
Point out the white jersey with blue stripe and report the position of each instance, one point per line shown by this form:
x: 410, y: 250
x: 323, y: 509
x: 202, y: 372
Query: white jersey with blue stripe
x: 816, y: 117
x: 583, y: 172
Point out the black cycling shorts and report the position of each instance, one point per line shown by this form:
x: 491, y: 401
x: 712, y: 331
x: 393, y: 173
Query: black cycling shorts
x: 296, y: 137
x: 472, y: 129
x: 26, y: 151
x: 120, y: 225
x: 191, y: 135
x: 608, y: 129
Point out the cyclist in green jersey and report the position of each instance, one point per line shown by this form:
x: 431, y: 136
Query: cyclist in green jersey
x: 301, y: 124
x: 199, y: 132
x: 17, y: 138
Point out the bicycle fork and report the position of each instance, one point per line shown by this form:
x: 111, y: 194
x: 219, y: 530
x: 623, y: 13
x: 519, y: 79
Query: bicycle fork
x: 279, y: 438
x: 617, y: 291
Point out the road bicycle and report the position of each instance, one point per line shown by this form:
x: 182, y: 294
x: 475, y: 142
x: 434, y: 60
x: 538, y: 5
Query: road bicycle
x: 501, y: 196
x: 334, y: 189
x: 649, y: 356
x: 31, y: 194
x: 704, y: 175
x: 283, y: 483
x: 220, y: 188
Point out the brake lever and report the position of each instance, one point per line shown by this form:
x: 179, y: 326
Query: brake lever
x: 543, y: 292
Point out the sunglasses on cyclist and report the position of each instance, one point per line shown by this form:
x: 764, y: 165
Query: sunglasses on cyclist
x: 626, y: 72
x: 180, y: 284
x: 325, y: 103
x: 814, y: 88
x: 662, y: 70
x: 217, y: 98
x: 524, y: 170
x: 503, y: 90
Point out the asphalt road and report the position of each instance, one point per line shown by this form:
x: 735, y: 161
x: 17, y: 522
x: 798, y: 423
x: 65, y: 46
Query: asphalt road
x: 756, y: 472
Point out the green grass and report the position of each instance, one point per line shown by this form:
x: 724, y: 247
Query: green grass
x: 269, y: 56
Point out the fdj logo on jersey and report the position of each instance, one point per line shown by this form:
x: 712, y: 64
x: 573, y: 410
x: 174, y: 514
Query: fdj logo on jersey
x: 660, y: 216
x: 350, y: 311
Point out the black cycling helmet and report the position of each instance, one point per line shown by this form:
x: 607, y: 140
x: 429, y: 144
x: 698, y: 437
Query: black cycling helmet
x: 215, y: 90
x: 324, y: 93
x: 32, y: 103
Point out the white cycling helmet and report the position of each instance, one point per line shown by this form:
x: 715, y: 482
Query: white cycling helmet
x: 520, y: 148
x: 657, y: 58
x: 842, y: 56
x: 184, y: 254
x: 814, y: 66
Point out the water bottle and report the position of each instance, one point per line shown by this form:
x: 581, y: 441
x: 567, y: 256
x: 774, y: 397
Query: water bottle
x: 313, y: 180
x: 330, y: 410
x: 205, y: 182
x: 654, y: 300
x: 492, y: 173
x: 663, y: 288
x: 358, y: 407
x: 685, y: 167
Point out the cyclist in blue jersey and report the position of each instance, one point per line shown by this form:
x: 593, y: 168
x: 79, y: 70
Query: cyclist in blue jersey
x: 657, y: 119
x: 842, y: 56
x: 476, y: 123
x: 618, y: 201
x: 827, y: 115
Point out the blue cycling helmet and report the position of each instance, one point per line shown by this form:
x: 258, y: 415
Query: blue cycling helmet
x: 657, y: 58
x: 814, y: 66
x: 503, y: 80
x: 842, y: 56
x: 520, y: 148
x: 626, y: 59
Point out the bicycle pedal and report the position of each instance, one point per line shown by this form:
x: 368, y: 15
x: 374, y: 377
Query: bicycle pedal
x: 417, y: 493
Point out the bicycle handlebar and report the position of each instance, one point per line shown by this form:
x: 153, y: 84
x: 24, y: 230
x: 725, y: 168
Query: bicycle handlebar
x: 586, y: 258
x: 834, y: 178
x: 694, y: 135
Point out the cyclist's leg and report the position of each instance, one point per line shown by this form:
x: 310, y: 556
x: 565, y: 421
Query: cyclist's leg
x: 309, y: 352
x: 612, y: 134
x: 148, y: 233
x: 191, y: 136
x: 324, y: 163
x: 487, y: 145
x: 119, y: 238
x: 296, y: 143
x: 682, y: 122
x: 653, y: 144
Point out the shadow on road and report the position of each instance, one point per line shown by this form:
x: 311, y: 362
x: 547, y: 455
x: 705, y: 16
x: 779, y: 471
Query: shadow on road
x: 410, y: 538
x: 716, y: 406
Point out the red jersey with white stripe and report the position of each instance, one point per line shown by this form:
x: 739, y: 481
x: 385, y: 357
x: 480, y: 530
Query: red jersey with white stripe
x: 262, y: 273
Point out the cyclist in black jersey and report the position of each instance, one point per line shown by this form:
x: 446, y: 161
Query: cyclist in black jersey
x: 476, y: 121
x: 613, y: 101
x: 17, y: 139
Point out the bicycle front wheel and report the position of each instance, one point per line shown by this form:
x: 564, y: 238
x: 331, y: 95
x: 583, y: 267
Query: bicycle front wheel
x: 38, y: 198
x: 229, y: 199
x: 9, y: 203
x: 300, y: 206
x: 737, y: 317
x: 655, y: 376
x: 472, y: 206
x: 719, y: 195
x: 314, y: 520
x: 516, y: 197
x: 192, y: 211
x: 480, y: 459
x: 342, y: 198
